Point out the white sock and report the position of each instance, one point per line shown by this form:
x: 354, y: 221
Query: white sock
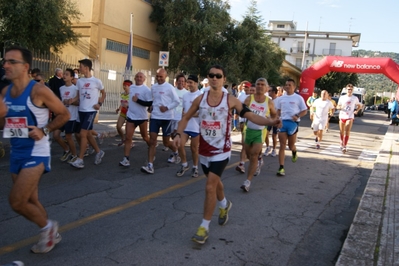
x: 48, y: 225
x: 205, y: 224
x: 242, y: 163
x: 195, y: 166
x: 184, y: 164
x: 223, y: 203
x: 150, y: 165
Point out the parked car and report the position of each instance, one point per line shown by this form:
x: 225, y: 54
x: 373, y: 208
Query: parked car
x: 381, y: 107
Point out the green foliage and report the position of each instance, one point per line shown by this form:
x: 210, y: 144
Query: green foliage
x: 333, y: 82
x: 40, y: 24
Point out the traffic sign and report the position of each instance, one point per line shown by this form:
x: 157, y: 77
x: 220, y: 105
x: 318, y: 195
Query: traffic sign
x: 163, y: 58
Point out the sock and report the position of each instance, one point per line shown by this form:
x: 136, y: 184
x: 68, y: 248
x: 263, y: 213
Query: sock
x: 195, y: 166
x: 175, y: 153
x: 342, y: 138
x: 293, y: 153
x: 205, y: 224
x: 281, y: 166
x: 223, y: 203
x: 249, y: 181
x: 127, y: 158
x: 235, y: 123
x: 346, y: 140
x: 242, y: 163
x: 48, y: 225
x: 184, y: 164
x: 150, y: 165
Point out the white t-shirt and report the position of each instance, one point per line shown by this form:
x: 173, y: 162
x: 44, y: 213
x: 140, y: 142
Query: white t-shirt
x: 177, y: 112
x: 320, y: 109
x: 290, y: 105
x: 348, y: 106
x: 163, y: 95
x: 137, y: 111
x: 70, y: 93
x: 188, y: 99
x: 89, y: 91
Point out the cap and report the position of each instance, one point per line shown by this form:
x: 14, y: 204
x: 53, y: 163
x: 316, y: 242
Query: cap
x: 76, y: 76
x: 247, y: 84
x: 193, y: 78
x: 205, y: 81
x: 86, y: 62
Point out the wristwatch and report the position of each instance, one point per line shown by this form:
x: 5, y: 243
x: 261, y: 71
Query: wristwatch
x: 46, y: 131
x: 100, y: 104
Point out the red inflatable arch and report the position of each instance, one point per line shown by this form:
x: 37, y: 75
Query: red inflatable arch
x: 373, y: 65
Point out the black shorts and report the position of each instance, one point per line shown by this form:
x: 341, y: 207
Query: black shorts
x: 72, y: 127
x: 136, y: 122
x: 215, y: 167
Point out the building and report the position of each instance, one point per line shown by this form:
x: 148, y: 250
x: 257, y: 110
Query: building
x: 313, y: 44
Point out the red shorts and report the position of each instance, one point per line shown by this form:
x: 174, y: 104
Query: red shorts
x: 344, y: 120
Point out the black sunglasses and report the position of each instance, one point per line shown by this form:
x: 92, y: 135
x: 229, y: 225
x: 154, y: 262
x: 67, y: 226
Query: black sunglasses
x: 218, y: 76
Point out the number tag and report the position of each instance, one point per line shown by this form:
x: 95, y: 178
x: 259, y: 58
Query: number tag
x: 211, y: 129
x: 16, y: 127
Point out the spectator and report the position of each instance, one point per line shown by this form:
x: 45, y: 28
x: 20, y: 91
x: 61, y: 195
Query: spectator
x: 56, y: 82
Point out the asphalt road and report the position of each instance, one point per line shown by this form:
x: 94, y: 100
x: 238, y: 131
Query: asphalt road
x: 111, y: 215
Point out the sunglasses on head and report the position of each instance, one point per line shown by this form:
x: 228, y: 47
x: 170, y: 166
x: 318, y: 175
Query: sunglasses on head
x: 212, y: 75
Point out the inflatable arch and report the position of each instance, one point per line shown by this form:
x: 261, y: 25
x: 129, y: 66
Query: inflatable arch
x: 373, y: 65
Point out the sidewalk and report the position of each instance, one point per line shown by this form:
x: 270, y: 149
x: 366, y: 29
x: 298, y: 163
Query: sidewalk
x: 373, y: 237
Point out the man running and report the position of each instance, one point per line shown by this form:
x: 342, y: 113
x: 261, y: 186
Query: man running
x: 320, y: 109
x: 140, y: 98
x: 290, y: 107
x: 26, y: 124
x: 89, y: 103
x: 192, y: 130
x: 273, y: 93
x: 215, y: 115
x: 348, y: 105
x: 255, y: 134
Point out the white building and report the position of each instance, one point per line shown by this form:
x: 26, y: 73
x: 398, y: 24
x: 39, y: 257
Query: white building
x: 318, y: 43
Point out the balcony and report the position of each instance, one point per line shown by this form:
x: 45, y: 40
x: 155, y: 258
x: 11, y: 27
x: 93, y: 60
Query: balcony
x: 296, y: 50
x: 332, y: 52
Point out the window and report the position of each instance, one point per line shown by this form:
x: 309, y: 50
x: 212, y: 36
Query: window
x: 123, y: 48
x: 280, y: 26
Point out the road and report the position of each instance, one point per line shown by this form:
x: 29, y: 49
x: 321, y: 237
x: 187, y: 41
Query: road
x: 111, y: 215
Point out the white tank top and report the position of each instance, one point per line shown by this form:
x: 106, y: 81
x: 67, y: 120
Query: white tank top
x: 261, y: 109
x: 215, y: 126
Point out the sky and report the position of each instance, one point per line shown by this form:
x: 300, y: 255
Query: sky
x: 376, y: 20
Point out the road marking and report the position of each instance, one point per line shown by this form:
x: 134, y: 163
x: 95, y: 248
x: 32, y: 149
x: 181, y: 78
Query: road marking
x: 368, y: 155
x: 111, y: 211
x: 332, y: 150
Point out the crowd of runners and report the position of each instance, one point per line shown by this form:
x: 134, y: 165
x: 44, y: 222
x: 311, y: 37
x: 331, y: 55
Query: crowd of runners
x: 30, y: 111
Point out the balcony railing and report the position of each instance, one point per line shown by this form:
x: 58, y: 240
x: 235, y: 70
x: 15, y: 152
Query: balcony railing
x: 332, y: 52
x: 295, y: 50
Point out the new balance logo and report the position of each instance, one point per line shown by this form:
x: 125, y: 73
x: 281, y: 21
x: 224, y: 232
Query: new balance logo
x: 337, y: 63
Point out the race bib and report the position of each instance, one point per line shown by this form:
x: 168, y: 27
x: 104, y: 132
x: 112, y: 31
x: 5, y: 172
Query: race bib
x: 211, y: 129
x: 16, y: 127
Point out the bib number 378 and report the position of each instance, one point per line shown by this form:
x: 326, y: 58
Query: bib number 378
x: 16, y: 127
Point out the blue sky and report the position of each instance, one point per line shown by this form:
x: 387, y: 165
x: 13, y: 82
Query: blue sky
x: 376, y: 20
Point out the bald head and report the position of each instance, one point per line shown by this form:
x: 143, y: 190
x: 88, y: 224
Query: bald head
x: 161, y: 76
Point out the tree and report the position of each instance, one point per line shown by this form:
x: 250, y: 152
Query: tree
x: 40, y: 24
x: 333, y: 82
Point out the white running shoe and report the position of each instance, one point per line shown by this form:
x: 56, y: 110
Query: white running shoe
x: 245, y: 186
x: 174, y: 158
x: 273, y: 154
x: 124, y: 162
x: 78, y: 163
x: 99, y: 157
x: 147, y: 169
x: 14, y: 263
x: 267, y: 151
x: 48, y: 239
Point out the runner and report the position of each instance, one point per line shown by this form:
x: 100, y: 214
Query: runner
x: 261, y: 105
x: 348, y: 105
x: 273, y: 93
x: 26, y: 124
x: 290, y: 107
x: 165, y: 100
x: 215, y: 115
x: 331, y: 112
x: 139, y: 99
x: 320, y: 108
x: 122, y: 109
x: 192, y: 129
x: 89, y: 103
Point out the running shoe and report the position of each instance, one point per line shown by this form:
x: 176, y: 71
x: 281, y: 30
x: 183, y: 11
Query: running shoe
x: 281, y: 172
x: 234, y: 129
x: 317, y: 145
x: 273, y: 154
x: 294, y: 157
x: 86, y: 152
x: 100, y: 138
x: 245, y: 186
x: 48, y: 239
x: 201, y: 236
x: 65, y: 156
x: 344, y: 149
x: 257, y: 172
x: 241, y: 168
x: 194, y: 172
x: 165, y: 148
x: 99, y: 157
x: 260, y: 161
x: 124, y: 162
x: 121, y: 143
x: 182, y: 170
x: 14, y: 263
x: 224, y: 213
x: 174, y: 158
x: 78, y: 163
x: 72, y: 159
x: 147, y: 169
x: 267, y: 151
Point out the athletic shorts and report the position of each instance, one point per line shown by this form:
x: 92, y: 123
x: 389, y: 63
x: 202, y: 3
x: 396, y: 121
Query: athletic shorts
x: 215, y: 167
x: 16, y: 164
x: 318, y: 125
x: 191, y: 134
x: 174, y: 124
x: 72, y: 127
x: 136, y: 122
x: 275, y: 129
x: 253, y: 136
x: 122, y: 115
x: 290, y: 127
x: 344, y: 120
x: 87, y: 120
x: 156, y: 124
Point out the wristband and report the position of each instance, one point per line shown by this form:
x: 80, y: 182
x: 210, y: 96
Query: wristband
x: 100, y: 104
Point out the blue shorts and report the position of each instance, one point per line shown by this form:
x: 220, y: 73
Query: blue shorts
x: 290, y: 127
x: 72, y: 127
x: 17, y: 164
x: 275, y: 129
x: 191, y: 134
x: 87, y: 120
x: 136, y: 122
x: 156, y: 124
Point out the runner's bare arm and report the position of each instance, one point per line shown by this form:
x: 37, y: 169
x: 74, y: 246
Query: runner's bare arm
x: 273, y: 113
x: 100, y: 100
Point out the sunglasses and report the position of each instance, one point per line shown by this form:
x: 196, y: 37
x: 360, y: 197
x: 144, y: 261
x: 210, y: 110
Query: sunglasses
x: 12, y: 61
x: 350, y: 89
x: 218, y: 76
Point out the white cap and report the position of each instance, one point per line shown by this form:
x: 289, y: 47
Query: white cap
x: 76, y: 76
x: 205, y: 81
